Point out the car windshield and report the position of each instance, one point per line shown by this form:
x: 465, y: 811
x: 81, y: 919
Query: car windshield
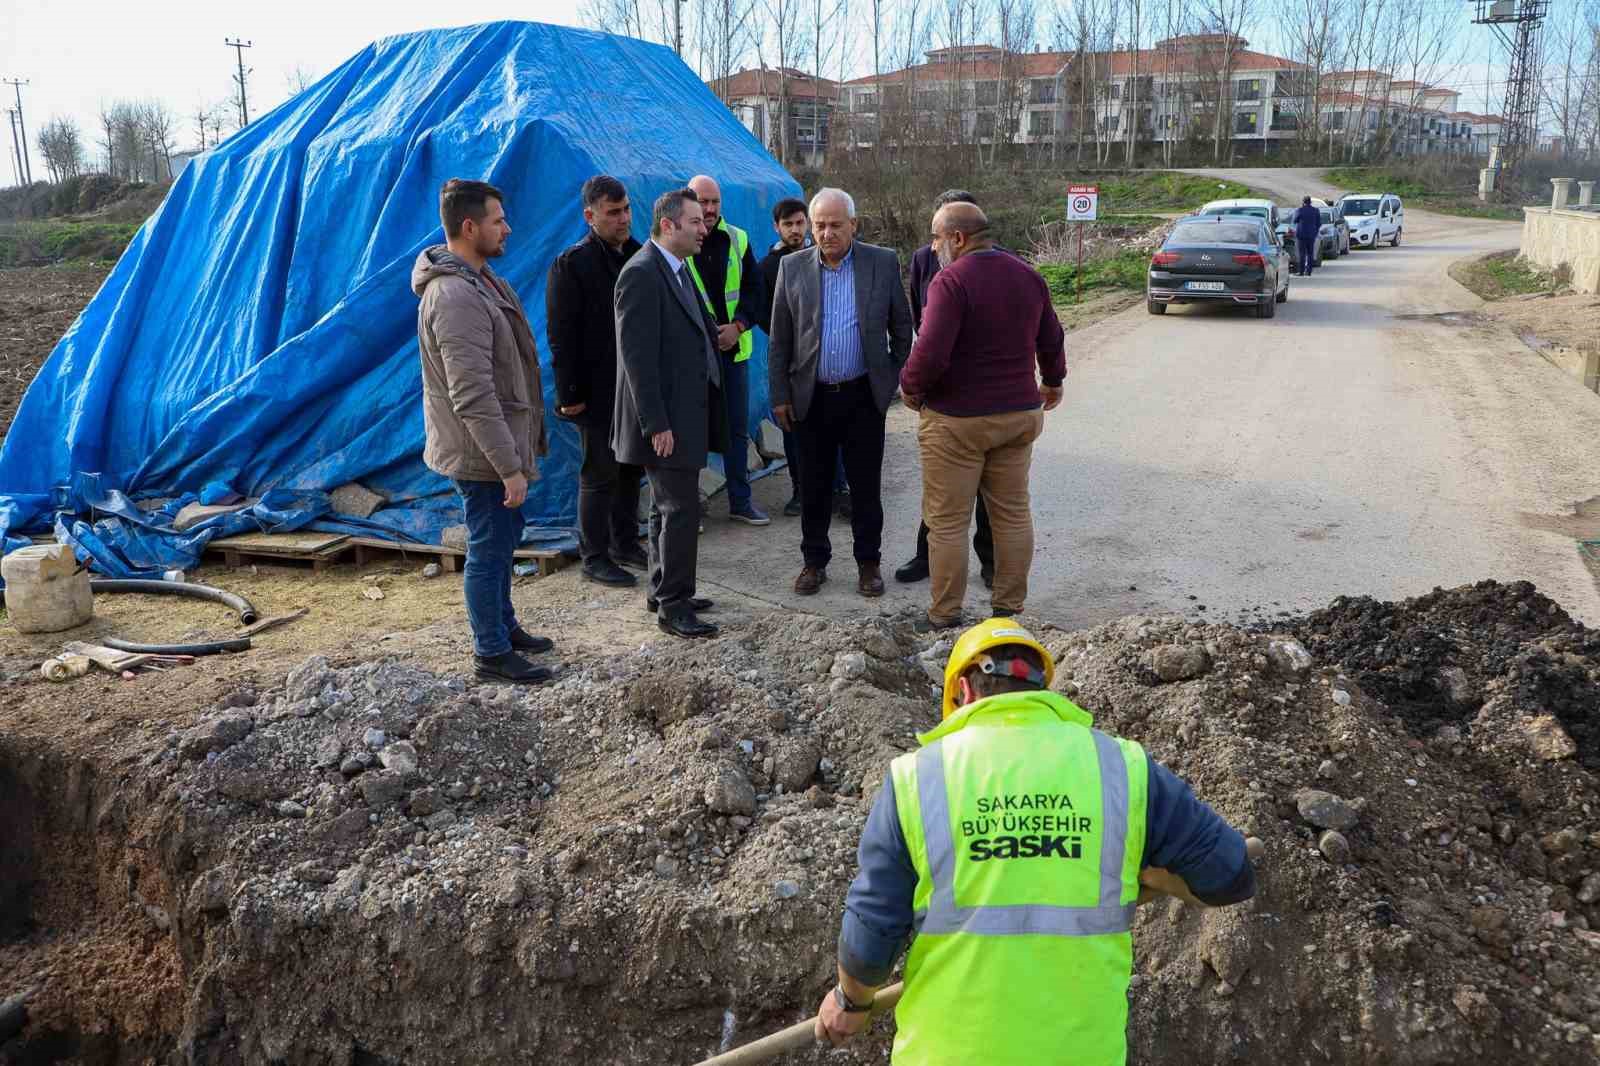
x: 1361, y: 207
x: 1214, y: 233
x: 1253, y: 212
x: 1327, y: 215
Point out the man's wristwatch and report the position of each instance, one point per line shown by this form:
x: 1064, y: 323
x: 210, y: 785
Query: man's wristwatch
x: 848, y: 1005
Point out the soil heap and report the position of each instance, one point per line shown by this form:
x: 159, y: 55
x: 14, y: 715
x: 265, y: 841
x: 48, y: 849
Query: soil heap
x: 645, y: 861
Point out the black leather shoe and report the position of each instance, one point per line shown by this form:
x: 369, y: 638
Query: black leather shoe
x: 913, y: 571
x: 696, y: 603
x: 685, y: 624
x: 509, y: 667
x: 987, y: 573
x: 631, y: 557
x: 522, y: 640
x: 792, y: 508
x: 608, y: 573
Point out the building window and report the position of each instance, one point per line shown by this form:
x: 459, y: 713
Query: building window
x: 1336, y: 120
x: 1248, y: 89
x: 1042, y: 92
x: 1116, y: 90
x: 1041, y: 123
x: 1110, y: 123
x: 985, y: 124
x: 1245, y: 122
x: 988, y: 93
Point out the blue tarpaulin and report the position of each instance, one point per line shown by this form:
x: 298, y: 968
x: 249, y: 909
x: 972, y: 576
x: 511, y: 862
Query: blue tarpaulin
x: 258, y: 337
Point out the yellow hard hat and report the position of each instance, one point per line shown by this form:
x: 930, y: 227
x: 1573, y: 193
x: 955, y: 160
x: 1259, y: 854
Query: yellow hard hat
x: 994, y: 633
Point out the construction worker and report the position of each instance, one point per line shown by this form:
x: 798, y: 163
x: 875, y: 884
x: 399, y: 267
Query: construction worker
x: 1016, y: 843
x: 725, y: 272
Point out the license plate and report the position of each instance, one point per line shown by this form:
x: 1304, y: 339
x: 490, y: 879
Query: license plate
x: 1205, y: 286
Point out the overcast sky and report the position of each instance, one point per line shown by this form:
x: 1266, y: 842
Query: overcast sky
x: 78, y: 55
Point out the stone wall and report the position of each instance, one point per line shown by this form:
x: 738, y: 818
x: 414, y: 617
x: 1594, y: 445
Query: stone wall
x: 1552, y: 237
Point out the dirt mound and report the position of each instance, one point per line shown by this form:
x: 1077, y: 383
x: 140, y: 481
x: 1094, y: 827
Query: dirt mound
x: 645, y: 861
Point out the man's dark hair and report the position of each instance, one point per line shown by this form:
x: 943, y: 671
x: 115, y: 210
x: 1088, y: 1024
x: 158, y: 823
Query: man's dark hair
x: 670, y: 205
x: 786, y: 207
x: 1306, y: 201
x: 460, y: 200
x: 603, y: 187
x: 986, y: 685
x: 954, y: 196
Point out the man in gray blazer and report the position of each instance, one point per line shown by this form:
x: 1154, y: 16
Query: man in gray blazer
x: 841, y: 331
x: 668, y: 408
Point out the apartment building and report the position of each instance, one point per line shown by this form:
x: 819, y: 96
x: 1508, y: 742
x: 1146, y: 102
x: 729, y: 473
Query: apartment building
x: 1402, y: 117
x: 759, y: 97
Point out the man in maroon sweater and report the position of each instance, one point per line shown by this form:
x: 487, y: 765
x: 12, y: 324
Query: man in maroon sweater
x: 971, y: 374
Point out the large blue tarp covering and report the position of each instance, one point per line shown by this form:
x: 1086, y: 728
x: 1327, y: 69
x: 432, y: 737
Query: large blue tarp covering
x: 258, y: 337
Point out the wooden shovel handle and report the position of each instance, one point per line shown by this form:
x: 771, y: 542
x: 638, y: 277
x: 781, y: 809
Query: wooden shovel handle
x: 797, y: 1036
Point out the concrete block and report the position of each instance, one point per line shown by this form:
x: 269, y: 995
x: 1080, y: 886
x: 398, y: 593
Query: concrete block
x: 454, y: 537
x: 711, y: 482
x: 769, y: 439
x: 195, y: 513
x: 355, y: 500
x: 753, y: 458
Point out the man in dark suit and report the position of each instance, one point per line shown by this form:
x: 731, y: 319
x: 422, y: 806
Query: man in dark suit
x: 841, y: 330
x: 924, y: 265
x: 669, y: 412
x: 580, y: 322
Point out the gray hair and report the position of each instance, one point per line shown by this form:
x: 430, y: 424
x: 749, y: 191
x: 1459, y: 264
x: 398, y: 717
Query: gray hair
x: 834, y: 194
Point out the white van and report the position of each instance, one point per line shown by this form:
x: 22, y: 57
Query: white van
x: 1374, y: 217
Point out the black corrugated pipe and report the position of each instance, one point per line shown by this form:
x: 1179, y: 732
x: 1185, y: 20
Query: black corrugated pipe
x: 212, y: 647
x: 245, y: 609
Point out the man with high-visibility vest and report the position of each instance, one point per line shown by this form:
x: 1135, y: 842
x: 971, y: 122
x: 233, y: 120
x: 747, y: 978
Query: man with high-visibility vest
x: 1016, y: 843
x: 725, y: 272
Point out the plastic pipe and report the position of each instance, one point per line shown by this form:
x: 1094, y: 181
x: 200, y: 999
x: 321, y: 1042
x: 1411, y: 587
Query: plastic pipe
x: 243, y: 607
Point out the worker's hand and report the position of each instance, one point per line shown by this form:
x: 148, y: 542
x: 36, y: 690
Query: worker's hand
x: 662, y: 442
x: 1154, y: 882
x: 728, y: 337
x: 516, y: 490
x: 838, y: 1026
x: 1051, y: 395
x: 573, y: 411
x: 783, y: 414
x: 913, y: 403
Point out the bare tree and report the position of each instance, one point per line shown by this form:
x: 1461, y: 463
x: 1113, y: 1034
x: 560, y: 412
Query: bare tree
x: 1017, y: 23
x: 108, y: 127
x: 299, y: 79
x: 1227, y: 19
x: 62, y: 148
x: 1572, y: 86
x: 1314, y: 31
x: 158, y: 125
x: 784, y: 20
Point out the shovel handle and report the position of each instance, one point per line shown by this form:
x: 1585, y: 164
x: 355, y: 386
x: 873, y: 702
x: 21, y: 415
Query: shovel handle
x: 797, y: 1036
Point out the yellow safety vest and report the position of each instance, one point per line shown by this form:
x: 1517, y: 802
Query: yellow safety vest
x: 1026, y: 827
x: 738, y: 244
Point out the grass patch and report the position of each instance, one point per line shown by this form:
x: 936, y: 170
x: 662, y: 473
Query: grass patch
x: 1502, y: 274
x: 52, y: 241
x: 1161, y: 190
x: 1450, y: 199
x: 1126, y: 270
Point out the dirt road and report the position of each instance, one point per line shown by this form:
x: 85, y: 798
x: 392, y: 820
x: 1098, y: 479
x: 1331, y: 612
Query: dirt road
x: 1355, y: 443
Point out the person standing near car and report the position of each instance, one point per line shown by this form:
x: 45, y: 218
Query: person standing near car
x: 482, y: 412
x: 1307, y: 231
x: 580, y: 322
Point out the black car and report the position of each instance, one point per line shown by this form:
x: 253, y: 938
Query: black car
x: 1228, y: 258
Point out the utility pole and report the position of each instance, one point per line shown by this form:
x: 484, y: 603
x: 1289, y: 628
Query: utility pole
x: 16, y: 156
x: 1519, y: 128
x: 677, y: 26
x: 244, y: 106
x: 27, y: 157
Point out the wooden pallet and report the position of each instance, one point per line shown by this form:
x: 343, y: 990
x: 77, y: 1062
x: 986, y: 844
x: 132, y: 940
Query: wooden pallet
x: 368, y: 549
x: 321, y: 550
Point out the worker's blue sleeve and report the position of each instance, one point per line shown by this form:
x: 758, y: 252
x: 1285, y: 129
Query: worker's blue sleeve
x: 877, y: 909
x: 1188, y: 838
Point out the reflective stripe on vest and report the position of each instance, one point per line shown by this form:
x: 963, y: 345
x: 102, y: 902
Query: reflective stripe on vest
x: 943, y: 916
x: 738, y: 244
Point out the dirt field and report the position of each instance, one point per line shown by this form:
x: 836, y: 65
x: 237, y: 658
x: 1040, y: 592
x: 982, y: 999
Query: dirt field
x: 36, y: 307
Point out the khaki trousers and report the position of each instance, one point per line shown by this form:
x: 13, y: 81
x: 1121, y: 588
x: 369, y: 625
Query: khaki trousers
x: 960, y: 458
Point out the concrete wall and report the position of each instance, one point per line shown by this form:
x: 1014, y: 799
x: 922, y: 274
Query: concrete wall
x: 1552, y: 237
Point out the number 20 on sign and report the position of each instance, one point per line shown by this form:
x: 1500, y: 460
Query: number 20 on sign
x: 1083, y: 202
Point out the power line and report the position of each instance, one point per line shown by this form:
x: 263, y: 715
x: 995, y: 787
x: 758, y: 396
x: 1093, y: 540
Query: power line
x: 27, y: 156
x: 244, y: 105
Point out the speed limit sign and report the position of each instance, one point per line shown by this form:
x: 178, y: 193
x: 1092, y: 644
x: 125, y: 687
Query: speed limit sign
x: 1082, y: 202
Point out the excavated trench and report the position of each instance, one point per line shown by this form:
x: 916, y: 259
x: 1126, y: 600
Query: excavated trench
x: 645, y: 862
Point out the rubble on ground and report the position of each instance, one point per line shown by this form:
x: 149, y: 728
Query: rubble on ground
x: 645, y: 861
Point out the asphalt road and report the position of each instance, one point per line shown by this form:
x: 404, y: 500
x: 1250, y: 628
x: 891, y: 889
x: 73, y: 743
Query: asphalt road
x: 1355, y: 444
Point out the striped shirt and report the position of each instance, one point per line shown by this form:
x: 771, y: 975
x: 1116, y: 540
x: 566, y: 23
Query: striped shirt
x: 841, y: 336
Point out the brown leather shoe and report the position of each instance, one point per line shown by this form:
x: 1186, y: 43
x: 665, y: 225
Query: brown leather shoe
x: 869, y: 582
x: 810, y: 580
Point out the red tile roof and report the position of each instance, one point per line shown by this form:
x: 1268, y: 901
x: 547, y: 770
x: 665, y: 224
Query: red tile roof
x: 765, y: 81
x: 1107, y: 64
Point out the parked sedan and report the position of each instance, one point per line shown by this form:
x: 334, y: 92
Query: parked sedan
x: 1333, y: 214
x: 1328, y: 237
x: 1229, y: 258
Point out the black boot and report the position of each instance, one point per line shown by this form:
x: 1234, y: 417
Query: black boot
x: 510, y: 667
x: 913, y: 571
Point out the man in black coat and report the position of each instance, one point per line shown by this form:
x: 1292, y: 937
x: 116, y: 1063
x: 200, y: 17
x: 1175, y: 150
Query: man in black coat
x: 580, y: 323
x: 669, y: 406
x: 924, y: 265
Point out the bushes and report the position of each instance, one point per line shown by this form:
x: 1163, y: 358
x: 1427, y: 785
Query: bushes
x: 40, y: 243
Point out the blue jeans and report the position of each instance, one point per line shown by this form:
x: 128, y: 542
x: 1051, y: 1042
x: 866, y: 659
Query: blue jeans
x: 493, y: 533
x: 1307, y: 251
x: 736, y: 460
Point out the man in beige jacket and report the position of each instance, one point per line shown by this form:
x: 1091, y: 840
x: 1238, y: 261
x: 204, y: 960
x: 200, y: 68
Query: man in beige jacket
x: 484, y: 412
